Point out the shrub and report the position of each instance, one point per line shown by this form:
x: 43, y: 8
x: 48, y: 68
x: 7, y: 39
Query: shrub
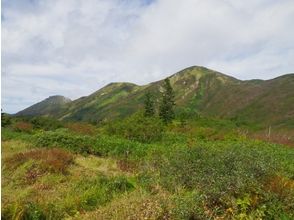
x: 138, y: 128
x: 5, y: 120
x: 22, y: 126
x: 81, y: 128
x: 60, y: 138
x: 45, y: 123
x: 99, y: 145
x: 224, y: 172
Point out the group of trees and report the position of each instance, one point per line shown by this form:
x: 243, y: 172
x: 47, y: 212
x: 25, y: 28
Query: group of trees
x: 166, y: 108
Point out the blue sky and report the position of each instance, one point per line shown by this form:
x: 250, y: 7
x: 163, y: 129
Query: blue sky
x: 75, y: 47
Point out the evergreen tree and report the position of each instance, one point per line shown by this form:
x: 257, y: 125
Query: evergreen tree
x: 149, y: 105
x: 166, y: 111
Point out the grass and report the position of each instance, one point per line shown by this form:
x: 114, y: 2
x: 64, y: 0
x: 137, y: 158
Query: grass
x: 195, y: 171
x: 37, y: 180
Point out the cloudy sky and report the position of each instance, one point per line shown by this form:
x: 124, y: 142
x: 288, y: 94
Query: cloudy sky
x: 74, y: 47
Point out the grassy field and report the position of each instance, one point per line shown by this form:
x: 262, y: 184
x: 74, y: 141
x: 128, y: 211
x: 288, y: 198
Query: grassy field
x: 206, y: 169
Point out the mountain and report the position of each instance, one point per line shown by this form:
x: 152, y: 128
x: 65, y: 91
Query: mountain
x: 197, y: 90
x: 49, y: 107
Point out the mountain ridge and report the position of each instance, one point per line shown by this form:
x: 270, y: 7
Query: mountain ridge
x: 197, y: 90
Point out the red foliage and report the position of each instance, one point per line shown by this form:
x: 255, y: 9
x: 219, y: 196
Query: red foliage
x: 23, y: 126
x: 81, y: 128
x: 51, y: 160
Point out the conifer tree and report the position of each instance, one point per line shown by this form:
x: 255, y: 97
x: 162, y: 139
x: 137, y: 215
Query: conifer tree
x: 149, y: 105
x: 166, y: 111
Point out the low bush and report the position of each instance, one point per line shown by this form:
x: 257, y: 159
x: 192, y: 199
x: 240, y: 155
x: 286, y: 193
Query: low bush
x: 63, y: 139
x: 137, y: 128
x: 45, y: 123
x: 224, y: 172
x: 97, y: 145
x: 81, y: 128
x: 22, y: 126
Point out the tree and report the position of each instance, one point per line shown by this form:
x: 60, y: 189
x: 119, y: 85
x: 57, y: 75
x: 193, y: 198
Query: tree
x: 149, y: 105
x: 166, y: 110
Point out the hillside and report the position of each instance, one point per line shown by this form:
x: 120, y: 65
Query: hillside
x: 197, y: 90
x: 50, y: 106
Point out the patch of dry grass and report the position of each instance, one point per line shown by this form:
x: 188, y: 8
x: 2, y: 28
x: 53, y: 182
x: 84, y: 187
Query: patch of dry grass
x: 52, y: 160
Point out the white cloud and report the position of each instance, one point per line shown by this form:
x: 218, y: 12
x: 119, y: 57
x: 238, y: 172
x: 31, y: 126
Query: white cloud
x: 74, y: 47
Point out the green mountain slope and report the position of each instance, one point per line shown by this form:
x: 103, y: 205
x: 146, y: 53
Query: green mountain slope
x: 197, y: 90
x: 48, y: 107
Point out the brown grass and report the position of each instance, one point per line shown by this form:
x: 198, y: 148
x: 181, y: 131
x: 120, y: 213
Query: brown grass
x: 52, y: 160
x: 280, y: 186
x: 127, y: 166
x: 285, y: 138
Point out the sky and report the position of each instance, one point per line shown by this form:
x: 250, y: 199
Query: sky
x: 75, y: 47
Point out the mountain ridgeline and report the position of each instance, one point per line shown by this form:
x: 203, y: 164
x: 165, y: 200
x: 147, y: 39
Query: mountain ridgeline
x: 198, y: 90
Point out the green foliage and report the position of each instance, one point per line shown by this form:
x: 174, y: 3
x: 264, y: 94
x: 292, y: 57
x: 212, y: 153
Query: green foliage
x: 9, y: 134
x: 97, y: 145
x: 166, y: 110
x: 5, y: 120
x: 202, y: 168
x: 101, y: 190
x: 138, y: 128
x: 149, y: 105
x: 45, y: 123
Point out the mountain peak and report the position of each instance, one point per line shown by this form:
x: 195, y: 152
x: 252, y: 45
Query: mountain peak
x: 48, y: 106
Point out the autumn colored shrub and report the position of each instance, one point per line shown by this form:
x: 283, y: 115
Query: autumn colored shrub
x: 81, y: 128
x: 22, y: 126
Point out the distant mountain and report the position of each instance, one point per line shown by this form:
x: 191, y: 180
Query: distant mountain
x: 197, y: 90
x: 48, y: 107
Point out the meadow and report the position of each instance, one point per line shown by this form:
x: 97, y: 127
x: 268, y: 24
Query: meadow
x: 139, y: 168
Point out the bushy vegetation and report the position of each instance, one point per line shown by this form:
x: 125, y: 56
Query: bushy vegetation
x: 139, y: 168
x: 81, y: 128
x: 22, y: 126
x: 137, y: 128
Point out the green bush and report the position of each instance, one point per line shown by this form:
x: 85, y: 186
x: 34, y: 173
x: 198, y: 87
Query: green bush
x: 97, y: 145
x: 222, y: 171
x: 45, y: 123
x: 137, y: 128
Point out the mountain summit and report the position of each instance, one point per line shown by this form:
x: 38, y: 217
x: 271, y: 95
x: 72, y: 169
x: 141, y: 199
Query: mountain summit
x: 198, y: 90
x: 50, y: 106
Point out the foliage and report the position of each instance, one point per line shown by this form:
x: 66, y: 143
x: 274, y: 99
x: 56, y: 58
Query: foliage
x: 5, y: 120
x: 136, y: 168
x: 98, y: 145
x: 22, y: 126
x: 45, y: 123
x: 149, y: 105
x: 166, y: 110
x: 81, y: 128
x: 138, y: 128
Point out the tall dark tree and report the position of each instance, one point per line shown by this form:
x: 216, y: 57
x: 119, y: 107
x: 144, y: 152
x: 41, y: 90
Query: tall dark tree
x: 166, y: 111
x: 149, y: 105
